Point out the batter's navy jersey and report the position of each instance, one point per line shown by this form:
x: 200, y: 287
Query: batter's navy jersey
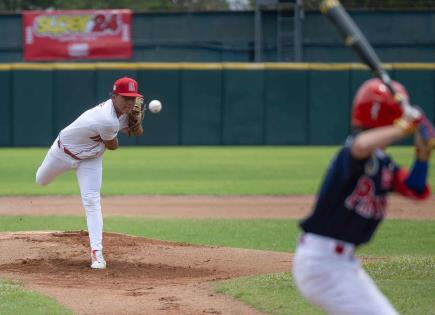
x: 352, y: 198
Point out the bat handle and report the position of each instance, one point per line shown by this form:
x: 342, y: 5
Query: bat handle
x: 408, y: 110
x: 385, y: 77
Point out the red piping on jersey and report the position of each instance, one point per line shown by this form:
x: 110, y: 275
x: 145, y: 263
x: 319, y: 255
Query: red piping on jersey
x: 75, y: 157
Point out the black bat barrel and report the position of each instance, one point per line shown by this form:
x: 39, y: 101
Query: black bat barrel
x: 351, y: 33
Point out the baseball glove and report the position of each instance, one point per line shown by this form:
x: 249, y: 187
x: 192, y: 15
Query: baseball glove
x: 136, y: 116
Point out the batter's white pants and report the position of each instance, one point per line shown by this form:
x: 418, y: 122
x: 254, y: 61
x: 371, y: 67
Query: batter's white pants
x: 89, y: 177
x: 328, y: 275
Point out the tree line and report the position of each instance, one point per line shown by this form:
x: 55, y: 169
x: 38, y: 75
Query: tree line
x: 135, y: 5
x: 193, y: 5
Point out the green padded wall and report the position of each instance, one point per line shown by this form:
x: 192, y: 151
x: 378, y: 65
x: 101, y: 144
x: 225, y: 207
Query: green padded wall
x: 5, y: 109
x: 243, y: 116
x: 329, y: 104
x: 286, y: 110
x: 201, y: 115
x: 32, y: 107
x: 211, y: 104
x: 74, y: 93
x: 163, y: 128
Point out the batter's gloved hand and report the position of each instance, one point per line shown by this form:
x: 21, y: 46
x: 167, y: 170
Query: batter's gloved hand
x: 411, y: 118
x: 136, y: 116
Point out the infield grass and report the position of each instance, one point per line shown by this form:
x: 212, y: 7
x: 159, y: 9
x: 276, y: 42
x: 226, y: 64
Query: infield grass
x: 186, y: 171
x: 408, y: 282
x: 15, y: 300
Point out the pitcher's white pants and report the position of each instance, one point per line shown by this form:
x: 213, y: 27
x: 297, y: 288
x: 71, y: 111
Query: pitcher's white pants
x: 89, y: 177
x: 333, y: 279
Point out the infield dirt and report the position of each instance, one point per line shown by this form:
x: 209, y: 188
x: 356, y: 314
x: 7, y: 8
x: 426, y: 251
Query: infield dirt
x: 148, y: 276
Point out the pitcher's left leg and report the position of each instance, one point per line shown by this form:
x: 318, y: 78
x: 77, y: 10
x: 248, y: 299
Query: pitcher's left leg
x: 51, y: 167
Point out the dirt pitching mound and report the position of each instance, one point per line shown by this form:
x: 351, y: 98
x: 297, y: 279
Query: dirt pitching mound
x: 143, y: 276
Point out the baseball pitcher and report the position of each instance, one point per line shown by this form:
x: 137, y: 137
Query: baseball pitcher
x: 80, y: 147
x: 352, y: 201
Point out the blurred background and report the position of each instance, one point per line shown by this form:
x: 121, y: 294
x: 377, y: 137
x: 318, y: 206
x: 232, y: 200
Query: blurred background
x: 246, y: 30
x: 229, y: 72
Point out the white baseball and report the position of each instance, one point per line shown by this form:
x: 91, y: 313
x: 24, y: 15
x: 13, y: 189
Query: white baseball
x: 155, y: 106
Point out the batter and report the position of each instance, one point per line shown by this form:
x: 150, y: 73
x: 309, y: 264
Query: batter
x: 352, y: 202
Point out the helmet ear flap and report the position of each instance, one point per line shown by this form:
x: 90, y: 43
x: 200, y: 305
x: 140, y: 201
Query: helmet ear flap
x: 374, y: 105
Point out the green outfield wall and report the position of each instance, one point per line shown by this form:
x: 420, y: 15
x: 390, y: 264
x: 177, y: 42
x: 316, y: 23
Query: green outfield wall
x: 203, y: 103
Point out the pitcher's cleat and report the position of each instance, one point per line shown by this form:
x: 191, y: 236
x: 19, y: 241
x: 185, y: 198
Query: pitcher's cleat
x: 97, y: 258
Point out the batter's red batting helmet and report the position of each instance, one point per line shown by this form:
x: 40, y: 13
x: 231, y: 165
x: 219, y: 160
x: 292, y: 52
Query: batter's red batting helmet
x: 374, y: 105
x: 126, y: 87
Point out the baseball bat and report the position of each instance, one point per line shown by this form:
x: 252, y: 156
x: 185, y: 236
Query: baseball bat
x: 354, y: 38
x: 352, y: 34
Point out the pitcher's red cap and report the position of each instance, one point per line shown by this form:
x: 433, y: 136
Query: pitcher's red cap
x: 126, y: 87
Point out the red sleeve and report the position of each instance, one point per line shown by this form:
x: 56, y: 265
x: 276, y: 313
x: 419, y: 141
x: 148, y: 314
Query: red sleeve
x: 400, y: 187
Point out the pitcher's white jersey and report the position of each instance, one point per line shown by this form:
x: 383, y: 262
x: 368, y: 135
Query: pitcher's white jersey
x: 82, y: 136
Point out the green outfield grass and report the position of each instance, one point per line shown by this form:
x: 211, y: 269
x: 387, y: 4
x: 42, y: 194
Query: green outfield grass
x: 186, y: 171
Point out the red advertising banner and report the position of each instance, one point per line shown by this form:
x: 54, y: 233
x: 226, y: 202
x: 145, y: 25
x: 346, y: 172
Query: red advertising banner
x: 76, y: 34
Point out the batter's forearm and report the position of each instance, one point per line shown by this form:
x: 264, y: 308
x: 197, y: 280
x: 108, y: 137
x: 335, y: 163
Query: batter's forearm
x: 370, y: 140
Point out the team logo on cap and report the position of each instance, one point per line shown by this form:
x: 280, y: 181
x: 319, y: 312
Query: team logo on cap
x: 114, y: 87
x: 131, y: 87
